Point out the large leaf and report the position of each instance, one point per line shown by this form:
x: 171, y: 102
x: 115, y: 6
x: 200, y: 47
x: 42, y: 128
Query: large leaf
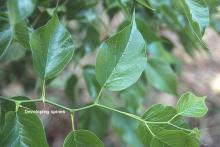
x: 52, y: 48
x: 191, y: 105
x: 160, y: 75
x: 82, y: 138
x: 91, y: 82
x: 197, y: 13
x: 121, y: 59
x: 23, y: 129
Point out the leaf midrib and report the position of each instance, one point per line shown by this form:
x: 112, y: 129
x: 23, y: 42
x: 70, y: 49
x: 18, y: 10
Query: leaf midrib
x: 126, y: 46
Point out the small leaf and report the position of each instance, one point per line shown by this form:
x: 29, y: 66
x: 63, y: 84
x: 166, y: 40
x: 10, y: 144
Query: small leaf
x: 52, y: 48
x: 191, y: 105
x: 121, y: 59
x: 160, y: 75
x: 82, y: 138
x: 91, y: 82
x: 197, y: 13
x: 23, y: 129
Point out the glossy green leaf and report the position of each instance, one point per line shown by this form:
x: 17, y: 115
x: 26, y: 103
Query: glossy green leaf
x: 197, y: 13
x: 121, y: 59
x: 160, y: 75
x: 191, y: 105
x: 82, y: 138
x: 91, y: 82
x: 52, y: 48
x: 23, y: 129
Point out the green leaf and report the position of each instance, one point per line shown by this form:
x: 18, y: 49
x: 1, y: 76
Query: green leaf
x: 82, y: 138
x: 173, y: 138
x: 191, y: 105
x: 96, y: 120
x: 23, y: 129
x: 159, y: 113
x: 20, y: 10
x: 121, y: 59
x: 14, y: 52
x: 145, y: 4
x: 91, y: 82
x: 197, y: 13
x: 6, y: 106
x: 52, y: 48
x: 156, y: 114
x: 5, y: 33
x: 21, y: 34
x: 160, y: 75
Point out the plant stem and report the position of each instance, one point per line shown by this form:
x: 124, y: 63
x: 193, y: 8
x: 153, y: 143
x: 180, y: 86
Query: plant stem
x: 43, y: 92
x: 72, y: 120
x: 58, y: 105
x: 71, y: 111
x: 122, y: 112
x: 98, y: 97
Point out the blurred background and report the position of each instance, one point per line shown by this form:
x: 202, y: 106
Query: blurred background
x: 168, y: 36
